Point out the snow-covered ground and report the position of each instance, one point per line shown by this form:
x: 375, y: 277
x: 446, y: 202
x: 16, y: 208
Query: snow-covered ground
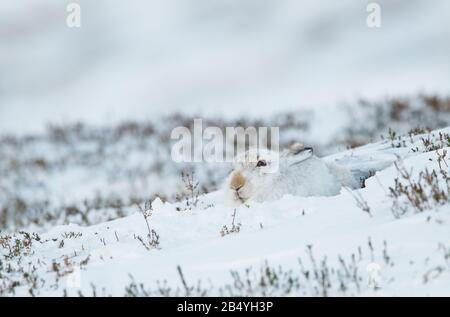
x: 294, y: 246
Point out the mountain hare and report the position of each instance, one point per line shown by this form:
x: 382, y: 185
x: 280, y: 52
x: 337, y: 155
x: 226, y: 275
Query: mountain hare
x: 262, y: 175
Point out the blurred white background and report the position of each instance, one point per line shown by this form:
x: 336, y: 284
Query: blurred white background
x: 139, y: 59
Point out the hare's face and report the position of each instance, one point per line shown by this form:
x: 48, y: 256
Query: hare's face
x: 253, y: 173
x: 258, y: 172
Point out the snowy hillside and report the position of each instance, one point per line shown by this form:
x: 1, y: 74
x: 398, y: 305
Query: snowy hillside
x: 87, y: 174
x: 389, y: 238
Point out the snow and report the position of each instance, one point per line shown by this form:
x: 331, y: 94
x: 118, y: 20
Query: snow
x: 278, y: 232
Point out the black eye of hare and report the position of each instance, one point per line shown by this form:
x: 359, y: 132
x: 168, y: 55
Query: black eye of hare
x: 261, y: 163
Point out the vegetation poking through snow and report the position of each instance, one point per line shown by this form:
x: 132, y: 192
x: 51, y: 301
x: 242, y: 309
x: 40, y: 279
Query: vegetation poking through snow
x: 312, y: 277
x: 15, y: 271
x: 433, y: 143
x: 369, y: 120
x: 152, y: 238
x: 361, y: 203
x: 234, y: 228
x: 430, y: 188
x: 190, y: 193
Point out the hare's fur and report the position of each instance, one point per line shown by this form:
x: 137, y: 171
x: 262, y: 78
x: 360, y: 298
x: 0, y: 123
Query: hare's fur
x: 299, y: 173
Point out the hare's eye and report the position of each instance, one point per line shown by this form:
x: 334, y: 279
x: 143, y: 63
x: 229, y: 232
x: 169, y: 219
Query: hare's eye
x: 261, y: 163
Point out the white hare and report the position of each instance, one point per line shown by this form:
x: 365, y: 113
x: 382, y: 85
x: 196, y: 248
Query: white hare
x: 263, y: 175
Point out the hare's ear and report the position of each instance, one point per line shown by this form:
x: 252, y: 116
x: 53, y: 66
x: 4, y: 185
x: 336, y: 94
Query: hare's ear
x: 299, y: 153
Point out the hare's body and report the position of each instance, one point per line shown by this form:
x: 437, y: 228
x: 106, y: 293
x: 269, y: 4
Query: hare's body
x: 300, y: 175
x: 311, y: 178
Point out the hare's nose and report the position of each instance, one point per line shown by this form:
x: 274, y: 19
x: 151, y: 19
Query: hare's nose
x: 237, y: 181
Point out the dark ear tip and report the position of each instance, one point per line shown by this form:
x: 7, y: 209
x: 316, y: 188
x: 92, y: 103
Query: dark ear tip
x: 297, y: 148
